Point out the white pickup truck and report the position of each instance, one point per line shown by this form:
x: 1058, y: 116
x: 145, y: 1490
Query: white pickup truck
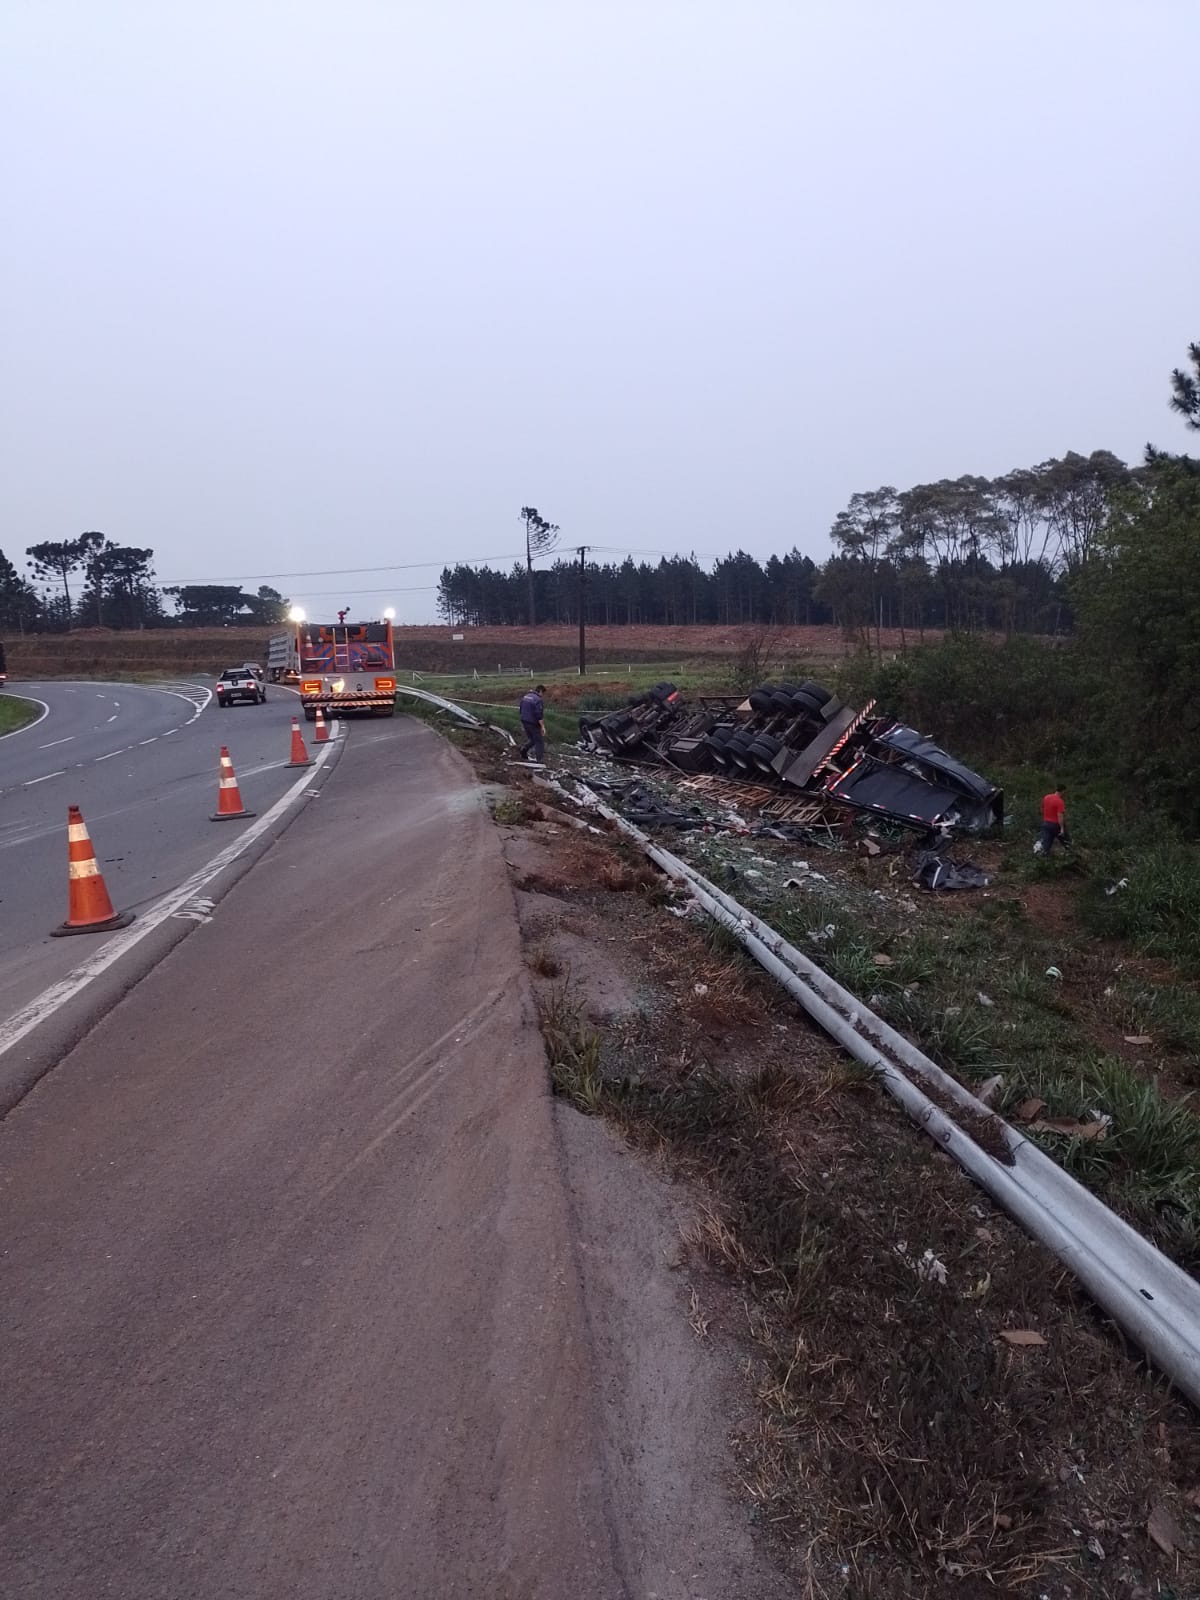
x: 240, y: 683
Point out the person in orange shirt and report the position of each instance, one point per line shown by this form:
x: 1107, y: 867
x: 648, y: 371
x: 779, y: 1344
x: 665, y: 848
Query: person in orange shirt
x: 1054, y: 822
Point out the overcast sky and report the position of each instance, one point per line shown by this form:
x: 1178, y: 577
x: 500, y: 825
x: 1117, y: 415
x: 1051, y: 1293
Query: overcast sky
x: 290, y: 285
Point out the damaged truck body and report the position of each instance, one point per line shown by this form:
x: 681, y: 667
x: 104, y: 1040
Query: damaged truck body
x: 802, y: 737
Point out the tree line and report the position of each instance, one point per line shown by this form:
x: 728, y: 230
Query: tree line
x: 92, y: 582
x: 1122, y: 705
x: 965, y: 554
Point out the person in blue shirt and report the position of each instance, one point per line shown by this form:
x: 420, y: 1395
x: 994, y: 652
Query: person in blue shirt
x: 532, y: 711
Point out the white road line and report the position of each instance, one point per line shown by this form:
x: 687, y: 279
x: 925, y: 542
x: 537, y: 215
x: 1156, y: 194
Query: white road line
x: 170, y: 731
x: 32, y: 781
x: 23, y: 1022
x: 113, y: 718
x: 111, y: 754
x: 53, y: 742
x: 153, y: 739
x: 29, y: 726
x: 190, y: 698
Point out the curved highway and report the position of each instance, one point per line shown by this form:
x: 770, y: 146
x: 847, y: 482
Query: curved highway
x: 141, y: 761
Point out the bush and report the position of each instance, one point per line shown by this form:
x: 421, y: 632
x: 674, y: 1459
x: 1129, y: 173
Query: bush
x: 1025, y: 698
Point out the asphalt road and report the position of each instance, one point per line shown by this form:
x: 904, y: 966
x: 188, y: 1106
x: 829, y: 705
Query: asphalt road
x: 142, y: 764
x: 288, y: 1298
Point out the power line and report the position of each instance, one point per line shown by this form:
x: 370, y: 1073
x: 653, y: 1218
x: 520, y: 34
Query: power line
x: 338, y: 572
x: 413, y: 566
x: 349, y: 594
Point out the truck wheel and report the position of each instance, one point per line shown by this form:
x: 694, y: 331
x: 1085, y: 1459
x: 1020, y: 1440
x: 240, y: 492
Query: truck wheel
x: 310, y: 713
x: 817, y: 692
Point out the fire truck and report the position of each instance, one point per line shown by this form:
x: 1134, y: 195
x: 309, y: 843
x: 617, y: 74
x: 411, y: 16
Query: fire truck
x: 346, y: 666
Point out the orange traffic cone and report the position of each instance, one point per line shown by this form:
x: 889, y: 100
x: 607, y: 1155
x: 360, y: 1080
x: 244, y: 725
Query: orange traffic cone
x: 89, y: 910
x: 300, y: 756
x: 322, y: 734
x: 229, y: 796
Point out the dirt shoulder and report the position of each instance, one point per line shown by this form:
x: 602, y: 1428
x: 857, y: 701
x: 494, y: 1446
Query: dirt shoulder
x: 905, y: 1396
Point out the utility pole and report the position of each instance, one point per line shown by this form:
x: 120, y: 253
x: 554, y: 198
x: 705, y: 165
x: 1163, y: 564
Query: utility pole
x: 582, y: 580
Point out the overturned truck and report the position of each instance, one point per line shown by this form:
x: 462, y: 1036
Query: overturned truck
x: 801, y: 736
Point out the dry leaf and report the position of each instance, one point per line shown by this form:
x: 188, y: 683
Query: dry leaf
x: 1021, y: 1338
x: 1068, y: 1125
x: 883, y: 961
x: 1028, y: 1109
x: 985, y: 1091
x: 1165, y: 1531
x: 1003, y: 1520
x: 1138, y: 1038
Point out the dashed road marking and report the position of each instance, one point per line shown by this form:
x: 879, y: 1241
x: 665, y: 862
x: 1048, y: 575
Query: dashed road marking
x: 32, y: 781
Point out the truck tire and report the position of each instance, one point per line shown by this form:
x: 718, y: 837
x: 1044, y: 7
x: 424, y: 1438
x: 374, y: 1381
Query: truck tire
x: 716, y: 741
x: 763, y: 751
x: 817, y: 691
x: 310, y: 713
x: 804, y: 702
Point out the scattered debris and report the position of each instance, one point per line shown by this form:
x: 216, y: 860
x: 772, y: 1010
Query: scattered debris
x: 1123, y: 883
x: 1053, y: 972
x: 1138, y: 1038
x: 933, y: 872
x: 985, y: 1091
x: 927, y: 1266
x: 1022, y: 1338
x: 1028, y: 1110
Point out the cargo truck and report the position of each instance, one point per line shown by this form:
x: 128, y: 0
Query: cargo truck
x: 283, y: 661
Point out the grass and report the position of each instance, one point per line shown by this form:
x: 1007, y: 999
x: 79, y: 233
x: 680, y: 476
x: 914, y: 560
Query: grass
x: 15, y: 712
x: 513, y: 809
x: 936, y: 990
x: 544, y: 962
x: 573, y: 1049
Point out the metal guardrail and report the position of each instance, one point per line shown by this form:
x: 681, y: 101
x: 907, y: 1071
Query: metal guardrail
x: 1155, y: 1302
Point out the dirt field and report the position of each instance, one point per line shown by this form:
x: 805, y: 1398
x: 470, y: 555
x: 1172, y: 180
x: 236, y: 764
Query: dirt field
x: 94, y: 652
